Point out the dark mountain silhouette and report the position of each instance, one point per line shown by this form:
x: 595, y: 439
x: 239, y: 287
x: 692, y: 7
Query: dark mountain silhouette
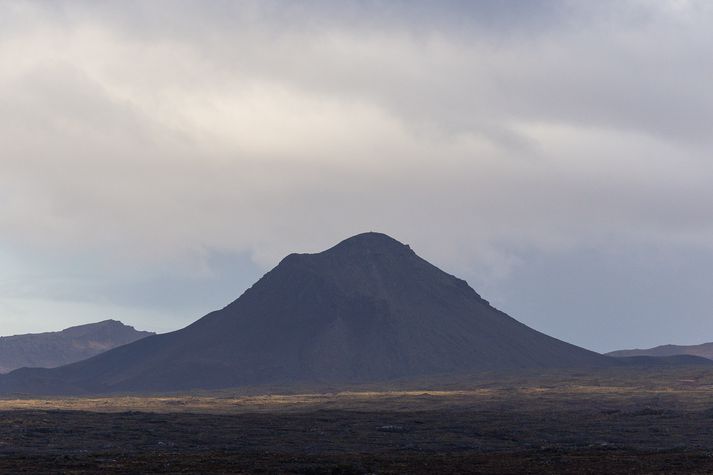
x: 52, y: 349
x: 368, y: 309
x: 704, y: 350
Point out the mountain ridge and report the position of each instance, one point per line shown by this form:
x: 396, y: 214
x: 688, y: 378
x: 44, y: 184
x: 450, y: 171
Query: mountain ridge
x: 58, y: 348
x: 704, y: 350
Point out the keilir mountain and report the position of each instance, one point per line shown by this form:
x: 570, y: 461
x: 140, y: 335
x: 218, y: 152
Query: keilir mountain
x: 52, y: 349
x: 368, y: 309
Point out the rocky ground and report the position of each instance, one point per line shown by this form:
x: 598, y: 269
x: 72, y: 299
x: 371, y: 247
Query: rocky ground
x: 626, y: 423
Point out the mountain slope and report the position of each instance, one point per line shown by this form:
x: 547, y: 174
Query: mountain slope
x: 368, y: 309
x: 704, y: 350
x: 52, y: 349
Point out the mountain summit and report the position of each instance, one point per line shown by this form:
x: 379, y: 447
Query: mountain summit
x: 368, y: 309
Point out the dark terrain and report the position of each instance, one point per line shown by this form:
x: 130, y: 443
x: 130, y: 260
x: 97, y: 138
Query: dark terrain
x: 52, y: 349
x: 363, y: 358
x: 610, y: 421
x: 368, y: 309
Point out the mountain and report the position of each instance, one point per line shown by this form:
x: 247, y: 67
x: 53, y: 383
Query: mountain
x: 704, y: 350
x: 366, y: 310
x: 52, y: 349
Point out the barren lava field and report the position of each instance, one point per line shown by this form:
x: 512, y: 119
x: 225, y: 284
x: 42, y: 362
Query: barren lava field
x: 627, y: 421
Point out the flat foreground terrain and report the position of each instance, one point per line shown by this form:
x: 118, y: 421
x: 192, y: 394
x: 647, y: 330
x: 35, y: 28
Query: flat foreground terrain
x: 629, y: 421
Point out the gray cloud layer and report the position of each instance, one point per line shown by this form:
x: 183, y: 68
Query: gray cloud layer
x: 141, y: 138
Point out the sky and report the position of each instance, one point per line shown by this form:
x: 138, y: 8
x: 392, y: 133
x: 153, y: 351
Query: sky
x: 157, y: 158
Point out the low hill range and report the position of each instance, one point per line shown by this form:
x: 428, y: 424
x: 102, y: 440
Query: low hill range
x: 704, y: 350
x: 52, y: 349
x: 367, y: 310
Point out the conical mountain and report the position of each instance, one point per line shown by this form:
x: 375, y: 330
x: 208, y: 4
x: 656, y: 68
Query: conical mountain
x: 368, y: 309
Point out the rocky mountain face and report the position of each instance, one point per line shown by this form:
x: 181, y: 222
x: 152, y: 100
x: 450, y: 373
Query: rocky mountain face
x: 52, y: 349
x: 704, y: 350
x: 367, y: 310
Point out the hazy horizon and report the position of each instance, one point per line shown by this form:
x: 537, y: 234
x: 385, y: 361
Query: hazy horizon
x: 159, y: 157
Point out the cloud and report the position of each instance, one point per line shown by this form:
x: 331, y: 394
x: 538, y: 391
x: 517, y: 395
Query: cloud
x: 141, y: 135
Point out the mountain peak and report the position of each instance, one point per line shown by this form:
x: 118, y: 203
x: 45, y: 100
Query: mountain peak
x: 356, y: 250
x: 371, y: 239
x: 370, y: 242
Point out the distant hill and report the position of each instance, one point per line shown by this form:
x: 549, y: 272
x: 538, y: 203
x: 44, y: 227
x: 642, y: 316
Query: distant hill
x: 52, y: 349
x: 367, y: 310
x: 659, y: 361
x: 704, y: 350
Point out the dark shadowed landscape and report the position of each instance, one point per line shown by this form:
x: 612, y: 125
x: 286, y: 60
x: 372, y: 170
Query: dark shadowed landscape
x: 356, y: 237
x: 363, y: 358
x: 622, y: 421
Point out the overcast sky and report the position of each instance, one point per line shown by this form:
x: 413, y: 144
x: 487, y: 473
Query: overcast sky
x: 157, y: 157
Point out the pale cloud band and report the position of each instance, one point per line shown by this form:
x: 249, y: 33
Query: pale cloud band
x: 154, y: 133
